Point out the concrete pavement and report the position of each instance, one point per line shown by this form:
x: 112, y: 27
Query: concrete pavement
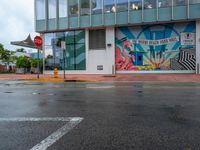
x: 100, y: 78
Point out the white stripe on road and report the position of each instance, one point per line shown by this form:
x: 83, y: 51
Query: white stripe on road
x: 43, y: 145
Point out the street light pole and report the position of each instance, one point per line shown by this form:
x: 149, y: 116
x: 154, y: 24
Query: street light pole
x: 63, y: 47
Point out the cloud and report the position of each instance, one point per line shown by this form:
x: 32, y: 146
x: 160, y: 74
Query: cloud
x: 17, y: 21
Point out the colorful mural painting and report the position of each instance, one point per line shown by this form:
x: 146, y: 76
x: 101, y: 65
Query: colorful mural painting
x: 154, y: 47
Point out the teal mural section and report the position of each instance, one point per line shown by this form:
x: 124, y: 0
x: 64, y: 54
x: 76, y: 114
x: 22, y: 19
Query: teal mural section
x: 156, y: 47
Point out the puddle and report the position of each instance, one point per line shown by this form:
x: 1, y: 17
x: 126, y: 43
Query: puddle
x: 36, y: 93
x: 9, y: 92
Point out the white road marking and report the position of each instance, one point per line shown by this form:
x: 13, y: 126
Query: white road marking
x: 43, y: 145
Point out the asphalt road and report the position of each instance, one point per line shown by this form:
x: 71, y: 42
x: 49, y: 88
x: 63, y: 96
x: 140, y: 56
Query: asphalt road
x: 117, y: 116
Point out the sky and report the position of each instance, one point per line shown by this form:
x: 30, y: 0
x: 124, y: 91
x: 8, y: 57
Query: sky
x: 16, y: 21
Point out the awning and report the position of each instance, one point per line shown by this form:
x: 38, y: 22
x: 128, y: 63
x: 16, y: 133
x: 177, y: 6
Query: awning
x: 28, y: 42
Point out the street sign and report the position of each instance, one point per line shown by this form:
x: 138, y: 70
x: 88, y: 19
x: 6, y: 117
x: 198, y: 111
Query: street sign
x: 188, y: 38
x: 38, y: 41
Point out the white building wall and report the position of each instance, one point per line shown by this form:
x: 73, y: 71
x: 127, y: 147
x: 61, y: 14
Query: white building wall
x: 104, y: 57
x: 198, y: 46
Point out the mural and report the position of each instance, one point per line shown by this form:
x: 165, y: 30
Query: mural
x: 154, y: 47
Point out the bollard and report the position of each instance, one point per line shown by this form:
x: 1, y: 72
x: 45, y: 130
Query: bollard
x: 55, y: 72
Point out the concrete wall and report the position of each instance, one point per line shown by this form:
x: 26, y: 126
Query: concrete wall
x: 197, y: 46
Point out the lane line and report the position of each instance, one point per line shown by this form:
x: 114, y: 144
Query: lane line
x: 55, y: 136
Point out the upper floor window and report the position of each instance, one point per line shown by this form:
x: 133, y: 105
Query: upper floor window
x: 109, y: 6
x: 135, y: 4
x: 62, y: 8
x: 122, y: 5
x: 73, y: 8
x: 97, y: 6
x: 85, y: 7
x: 52, y: 9
x: 164, y: 3
x: 149, y: 4
x: 180, y: 2
x: 194, y: 1
x: 40, y: 9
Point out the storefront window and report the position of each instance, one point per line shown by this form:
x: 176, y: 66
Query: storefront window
x: 73, y: 8
x: 164, y: 3
x: 122, y: 5
x: 53, y: 52
x: 109, y: 6
x: 75, y: 50
x: 40, y: 9
x: 85, y: 7
x: 180, y: 2
x: 135, y: 5
x: 97, y: 6
x: 62, y: 8
x: 149, y: 4
x: 52, y: 8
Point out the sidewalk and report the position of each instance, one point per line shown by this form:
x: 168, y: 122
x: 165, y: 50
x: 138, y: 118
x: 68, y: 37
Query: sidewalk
x: 101, y: 78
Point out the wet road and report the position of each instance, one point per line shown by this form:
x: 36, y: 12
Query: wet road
x: 117, y: 116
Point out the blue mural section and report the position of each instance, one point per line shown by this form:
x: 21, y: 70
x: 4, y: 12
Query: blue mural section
x: 155, y: 47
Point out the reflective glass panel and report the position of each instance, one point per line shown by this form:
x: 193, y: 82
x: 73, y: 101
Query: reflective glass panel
x: 122, y: 5
x: 135, y: 5
x: 180, y: 2
x: 149, y: 4
x: 85, y: 7
x: 52, y: 8
x: 194, y: 1
x: 62, y: 8
x: 97, y: 6
x: 109, y: 6
x: 40, y: 9
x: 164, y: 3
x: 73, y: 8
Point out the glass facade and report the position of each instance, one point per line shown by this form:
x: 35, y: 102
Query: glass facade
x: 40, y: 9
x: 62, y: 8
x: 51, y: 9
x: 75, y: 50
x: 73, y: 8
x: 72, y: 13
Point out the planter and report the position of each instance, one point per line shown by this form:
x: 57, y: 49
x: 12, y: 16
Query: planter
x: 21, y: 70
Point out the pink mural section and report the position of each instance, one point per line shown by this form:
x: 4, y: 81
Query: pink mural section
x: 123, y: 61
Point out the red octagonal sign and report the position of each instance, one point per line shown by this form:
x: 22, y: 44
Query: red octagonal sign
x: 38, y: 41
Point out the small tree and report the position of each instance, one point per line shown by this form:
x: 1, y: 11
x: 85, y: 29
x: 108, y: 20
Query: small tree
x: 23, y: 62
x: 6, y: 56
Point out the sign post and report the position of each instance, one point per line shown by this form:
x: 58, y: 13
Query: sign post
x: 38, y: 43
x: 63, y: 47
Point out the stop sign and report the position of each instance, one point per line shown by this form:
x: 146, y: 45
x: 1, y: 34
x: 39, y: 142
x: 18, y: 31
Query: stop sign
x: 38, y: 41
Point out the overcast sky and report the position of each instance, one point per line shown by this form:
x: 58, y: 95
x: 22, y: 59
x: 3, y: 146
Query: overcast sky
x: 16, y: 21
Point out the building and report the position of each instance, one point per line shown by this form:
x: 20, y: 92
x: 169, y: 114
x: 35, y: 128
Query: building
x: 120, y: 36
